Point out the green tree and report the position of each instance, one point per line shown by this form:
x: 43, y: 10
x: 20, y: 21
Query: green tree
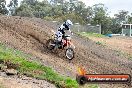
x: 12, y: 6
x: 130, y: 19
x: 57, y: 2
x: 115, y: 27
x: 100, y: 12
x: 30, y: 2
x: 100, y: 16
x: 38, y: 9
x: 3, y: 9
x: 24, y: 11
x: 42, y: 9
x: 121, y: 17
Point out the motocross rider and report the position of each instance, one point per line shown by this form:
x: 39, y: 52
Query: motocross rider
x: 60, y: 34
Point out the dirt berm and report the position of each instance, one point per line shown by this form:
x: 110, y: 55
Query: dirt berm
x: 31, y: 34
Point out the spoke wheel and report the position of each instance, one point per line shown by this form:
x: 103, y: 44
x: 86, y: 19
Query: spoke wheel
x: 69, y: 53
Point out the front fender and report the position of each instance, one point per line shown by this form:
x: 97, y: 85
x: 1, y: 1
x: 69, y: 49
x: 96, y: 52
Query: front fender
x: 71, y: 45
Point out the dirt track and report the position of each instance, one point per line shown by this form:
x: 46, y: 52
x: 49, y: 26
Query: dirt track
x: 22, y: 82
x: 120, y: 43
x: 30, y: 35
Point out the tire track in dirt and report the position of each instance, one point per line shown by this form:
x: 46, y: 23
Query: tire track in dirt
x: 22, y: 82
x: 100, y: 56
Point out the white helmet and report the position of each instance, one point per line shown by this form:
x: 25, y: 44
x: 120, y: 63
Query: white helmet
x: 68, y: 23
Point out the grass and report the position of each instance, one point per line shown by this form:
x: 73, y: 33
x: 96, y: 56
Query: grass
x: 86, y: 34
x: 34, y: 69
x: 1, y: 85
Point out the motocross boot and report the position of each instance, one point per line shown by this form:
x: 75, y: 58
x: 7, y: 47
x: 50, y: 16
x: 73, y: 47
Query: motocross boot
x: 57, y: 44
x: 60, y: 44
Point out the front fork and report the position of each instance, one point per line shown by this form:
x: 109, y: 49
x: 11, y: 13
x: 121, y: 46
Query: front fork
x: 70, y: 45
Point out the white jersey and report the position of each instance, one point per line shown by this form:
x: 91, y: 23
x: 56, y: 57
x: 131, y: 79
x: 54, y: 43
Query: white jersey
x: 63, y: 30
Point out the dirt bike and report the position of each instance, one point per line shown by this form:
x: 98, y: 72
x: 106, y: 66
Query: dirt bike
x: 66, y: 45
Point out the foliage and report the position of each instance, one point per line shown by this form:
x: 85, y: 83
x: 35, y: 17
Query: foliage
x: 57, y: 9
x: 115, y: 27
x: 76, y: 10
x: 121, y: 17
x: 90, y: 34
x: 100, y: 17
x: 3, y: 9
x: 24, y: 11
x: 60, y: 10
x: 12, y: 6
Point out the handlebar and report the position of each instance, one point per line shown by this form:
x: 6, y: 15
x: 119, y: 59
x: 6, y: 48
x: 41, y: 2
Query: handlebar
x: 67, y: 36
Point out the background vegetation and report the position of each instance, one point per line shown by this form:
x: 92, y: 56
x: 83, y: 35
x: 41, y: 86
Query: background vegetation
x: 60, y: 10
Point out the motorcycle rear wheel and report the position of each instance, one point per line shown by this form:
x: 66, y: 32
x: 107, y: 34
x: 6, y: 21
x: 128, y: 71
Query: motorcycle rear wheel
x: 49, y: 44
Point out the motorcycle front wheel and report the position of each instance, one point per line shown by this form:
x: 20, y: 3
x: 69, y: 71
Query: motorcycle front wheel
x: 69, y: 53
